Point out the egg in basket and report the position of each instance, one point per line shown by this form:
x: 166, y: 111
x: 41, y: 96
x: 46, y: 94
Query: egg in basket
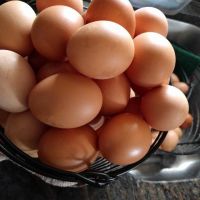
x: 81, y: 92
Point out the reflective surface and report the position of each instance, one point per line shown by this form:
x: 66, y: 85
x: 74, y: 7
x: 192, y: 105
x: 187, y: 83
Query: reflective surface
x: 185, y: 35
x: 184, y: 162
x: 169, y: 168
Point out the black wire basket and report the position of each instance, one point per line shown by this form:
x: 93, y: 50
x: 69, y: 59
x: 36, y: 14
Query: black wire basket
x: 189, y: 72
x: 101, y: 173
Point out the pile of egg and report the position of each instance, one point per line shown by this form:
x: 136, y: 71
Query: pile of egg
x: 76, y: 85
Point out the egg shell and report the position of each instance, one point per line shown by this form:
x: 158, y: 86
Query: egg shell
x: 125, y: 139
x: 3, y: 117
x: 52, y: 68
x: 101, y: 50
x: 116, y: 93
x: 164, y: 108
x: 118, y: 11
x: 84, y: 16
x: 16, y: 81
x: 188, y: 121
x: 181, y: 86
x: 174, y: 78
x: 36, y: 61
x: 24, y: 130
x: 139, y: 90
x: 133, y: 106
x: 16, y: 27
x: 52, y: 29
x: 179, y: 132
x: 66, y: 100
x: 69, y: 149
x: 170, y: 142
x: 75, y: 4
x: 149, y: 19
x: 154, y: 60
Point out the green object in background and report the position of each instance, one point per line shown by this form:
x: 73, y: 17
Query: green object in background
x: 185, y: 60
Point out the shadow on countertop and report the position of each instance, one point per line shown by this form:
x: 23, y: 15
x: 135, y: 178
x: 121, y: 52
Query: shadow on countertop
x: 17, y: 184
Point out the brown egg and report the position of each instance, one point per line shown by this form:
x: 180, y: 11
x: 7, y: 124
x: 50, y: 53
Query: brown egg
x: 116, y: 93
x: 24, y: 130
x: 69, y: 149
x: 170, y: 142
x: 118, y: 11
x: 97, y: 123
x: 139, y: 90
x: 75, y: 4
x: 164, y: 108
x: 125, y: 139
x: 16, y: 19
x: 53, y: 68
x: 174, y: 78
x: 133, y: 106
x: 101, y: 50
x: 53, y: 28
x: 154, y: 60
x: 16, y: 81
x: 181, y: 86
x: 3, y: 117
x: 188, y: 122
x: 66, y: 100
x: 101, y: 128
x: 36, y: 60
x: 149, y: 19
x: 84, y: 16
x: 179, y: 132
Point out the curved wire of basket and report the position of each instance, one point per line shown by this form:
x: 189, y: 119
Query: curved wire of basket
x: 101, y: 173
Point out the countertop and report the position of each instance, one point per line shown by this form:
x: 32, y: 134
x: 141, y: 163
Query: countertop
x: 17, y: 184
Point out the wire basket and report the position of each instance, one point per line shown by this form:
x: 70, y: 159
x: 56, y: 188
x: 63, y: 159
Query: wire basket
x: 190, y: 142
x: 101, y: 173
